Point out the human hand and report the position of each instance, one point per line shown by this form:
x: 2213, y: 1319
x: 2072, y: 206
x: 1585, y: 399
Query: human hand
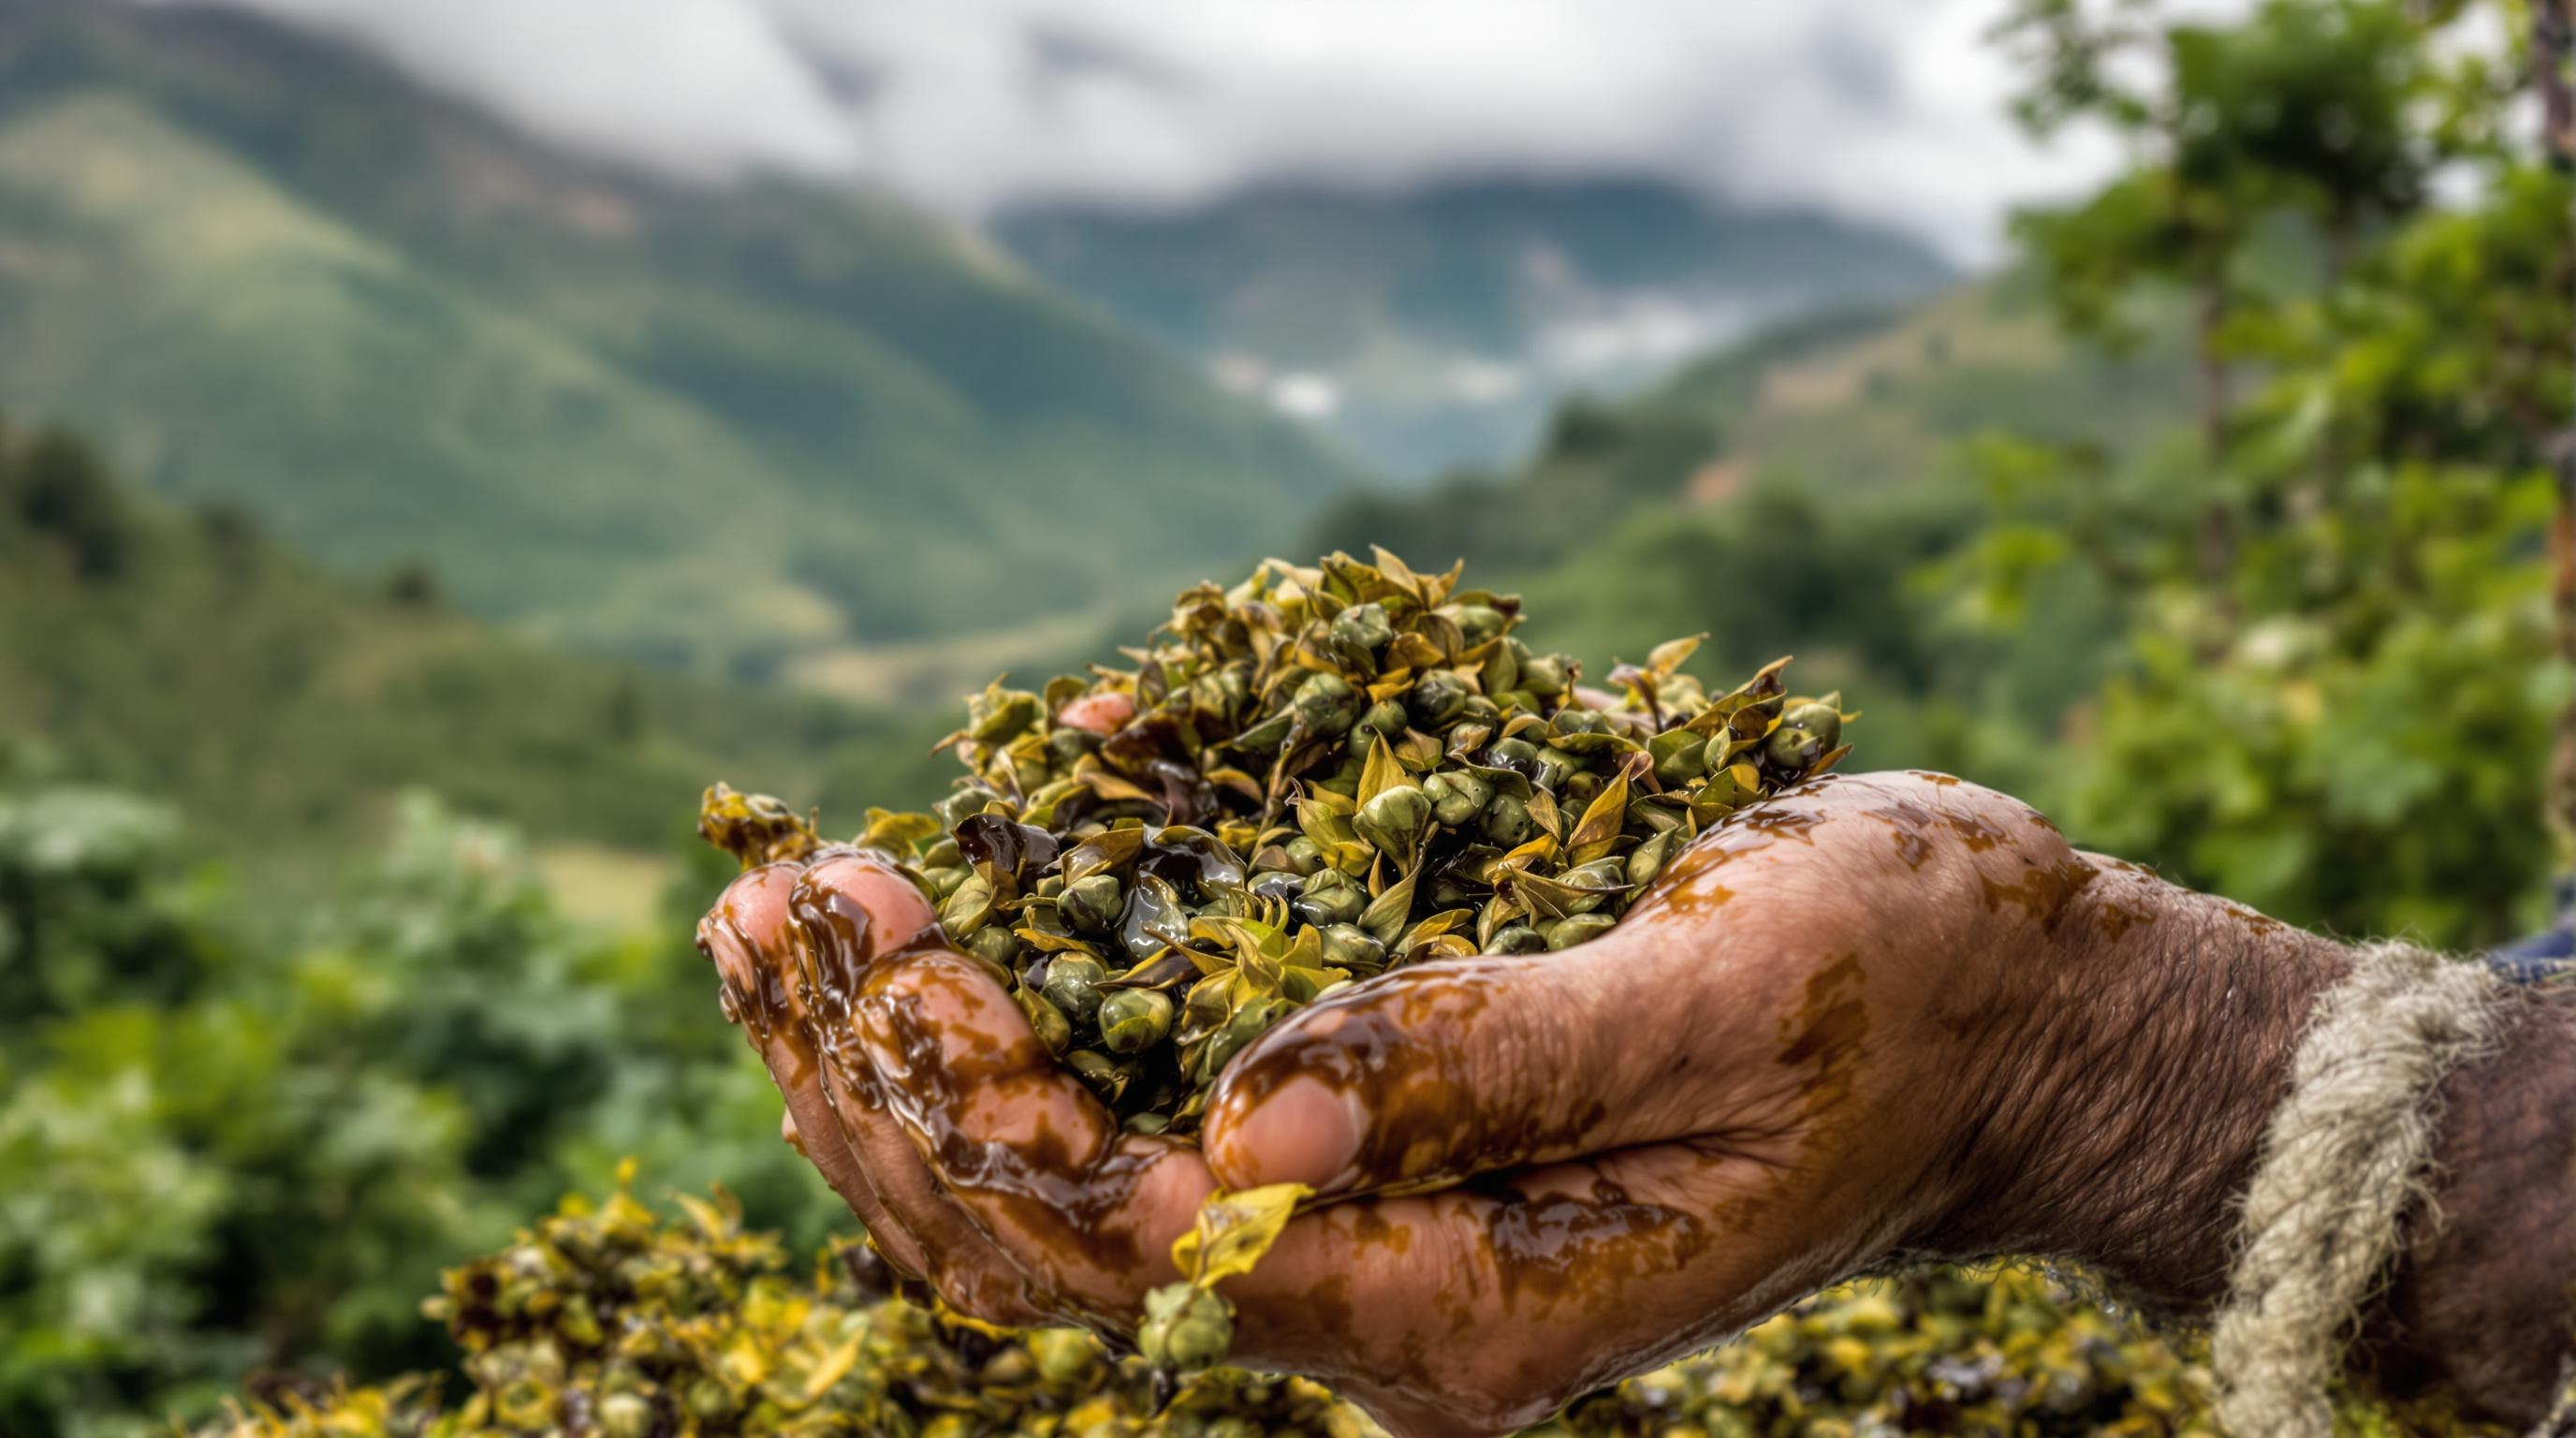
x: 1881, y: 1016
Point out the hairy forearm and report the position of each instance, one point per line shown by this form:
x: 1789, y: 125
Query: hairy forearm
x: 2204, y: 1015
x: 2128, y: 1117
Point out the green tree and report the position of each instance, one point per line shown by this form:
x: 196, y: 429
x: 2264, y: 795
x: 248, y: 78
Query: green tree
x: 2337, y: 697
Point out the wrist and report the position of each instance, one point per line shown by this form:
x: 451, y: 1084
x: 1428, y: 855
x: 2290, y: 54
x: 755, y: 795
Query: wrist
x: 2127, y: 1120
x: 2475, y: 1316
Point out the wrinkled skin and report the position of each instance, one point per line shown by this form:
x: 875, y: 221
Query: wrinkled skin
x: 1846, y: 1028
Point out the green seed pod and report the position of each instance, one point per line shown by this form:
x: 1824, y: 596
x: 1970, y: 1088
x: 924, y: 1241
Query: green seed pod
x: 967, y: 908
x: 963, y: 805
x: 1599, y: 874
x: 579, y: 1321
x: 1544, y: 676
x: 996, y: 945
x: 1479, y: 622
x: 1092, y: 904
x: 1508, y: 822
x: 1456, y: 796
x: 1073, y: 985
x: 1098, y: 1071
x: 1680, y: 756
x: 1578, y: 789
x: 1648, y: 859
x: 1328, y: 705
x: 943, y: 881
x: 1394, y: 820
x: 1331, y: 897
x: 1575, y: 719
x: 1185, y: 1328
x: 1574, y: 929
x: 1516, y: 939
x: 1053, y: 1028
x: 1384, y: 720
x: 1304, y: 854
x: 1554, y: 765
x: 1134, y: 1020
x: 1063, y: 1355
x: 710, y: 1401
x: 1805, y: 734
x: 529, y: 1405
x: 1247, y: 1023
x: 1269, y: 733
x: 1518, y: 754
x: 1363, y: 629
x: 1436, y: 701
x: 625, y: 1415
x: 1066, y: 745
x: 943, y: 855
x: 1348, y: 946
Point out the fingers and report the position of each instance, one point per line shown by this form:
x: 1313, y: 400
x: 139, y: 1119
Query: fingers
x: 1103, y: 713
x: 1086, y: 1210
x: 746, y: 935
x: 854, y: 912
x: 789, y: 949
x: 1683, y: 1021
x: 1486, y: 1308
x: 1442, y: 1070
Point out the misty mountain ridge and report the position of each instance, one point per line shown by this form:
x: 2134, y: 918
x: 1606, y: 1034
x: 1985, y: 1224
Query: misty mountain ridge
x: 1436, y: 326
x: 747, y: 428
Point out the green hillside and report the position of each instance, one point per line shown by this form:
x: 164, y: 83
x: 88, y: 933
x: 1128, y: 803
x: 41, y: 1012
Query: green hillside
x: 700, y: 429
x: 1784, y: 496
x: 1449, y: 317
x: 188, y: 655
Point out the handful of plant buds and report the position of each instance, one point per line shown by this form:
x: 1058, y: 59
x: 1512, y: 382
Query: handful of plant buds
x: 609, y: 1319
x: 1310, y: 778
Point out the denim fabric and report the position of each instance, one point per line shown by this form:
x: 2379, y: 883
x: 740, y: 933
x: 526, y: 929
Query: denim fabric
x: 2545, y: 955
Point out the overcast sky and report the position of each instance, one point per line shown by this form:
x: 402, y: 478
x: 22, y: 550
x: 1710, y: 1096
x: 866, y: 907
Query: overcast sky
x: 1888, y: 110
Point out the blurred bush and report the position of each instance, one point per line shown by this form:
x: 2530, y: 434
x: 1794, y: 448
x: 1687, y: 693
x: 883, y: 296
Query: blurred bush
x: 231, y: 1150
x: 603, y: 1319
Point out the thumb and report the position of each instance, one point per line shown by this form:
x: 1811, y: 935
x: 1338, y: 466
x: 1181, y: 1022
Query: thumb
x: 1434, y: 1073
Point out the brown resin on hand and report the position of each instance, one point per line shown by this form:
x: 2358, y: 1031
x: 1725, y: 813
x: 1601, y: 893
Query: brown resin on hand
x: 2041, y: 893
x: 1398, y: 1060
x: 1556, y: 1250
x: 1009, y: 1131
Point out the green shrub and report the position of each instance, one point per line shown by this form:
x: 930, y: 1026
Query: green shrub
x: 603, y: 1319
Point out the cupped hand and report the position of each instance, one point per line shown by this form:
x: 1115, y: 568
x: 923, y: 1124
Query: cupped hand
x: 1834, y: 1033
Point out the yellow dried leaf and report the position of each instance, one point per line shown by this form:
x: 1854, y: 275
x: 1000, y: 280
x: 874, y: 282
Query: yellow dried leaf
x: 1234, y: 1230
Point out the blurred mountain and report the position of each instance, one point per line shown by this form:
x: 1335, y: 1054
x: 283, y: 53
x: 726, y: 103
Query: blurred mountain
x: 701, y: 427
x: 1783, y: 495
x: 186, y: 653
x: 1436, y: 326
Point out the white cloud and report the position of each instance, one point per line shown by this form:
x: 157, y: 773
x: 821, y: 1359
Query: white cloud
x: 1888, y: 110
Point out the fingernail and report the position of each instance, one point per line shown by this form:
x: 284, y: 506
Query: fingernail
x: 1305, y: 1131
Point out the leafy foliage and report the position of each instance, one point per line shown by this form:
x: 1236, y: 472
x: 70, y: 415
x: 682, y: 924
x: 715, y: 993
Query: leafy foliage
x: 602, y: 1318
x: 282, y: 709
x: 2337, y: 697
x: 229, y: 1151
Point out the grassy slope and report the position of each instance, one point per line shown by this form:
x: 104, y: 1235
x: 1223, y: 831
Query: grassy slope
x: 690, y: 427
x: 281, y: 708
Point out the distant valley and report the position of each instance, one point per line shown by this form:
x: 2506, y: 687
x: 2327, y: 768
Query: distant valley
x: 1434, y: 328
x: 727, y: 432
